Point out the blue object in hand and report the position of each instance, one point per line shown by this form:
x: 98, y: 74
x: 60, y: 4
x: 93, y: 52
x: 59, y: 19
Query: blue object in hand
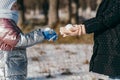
x: 50, y: 34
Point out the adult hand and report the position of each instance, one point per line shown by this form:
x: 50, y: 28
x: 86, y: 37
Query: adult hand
x: 63, y: 30
x: 73, y: 31
x: 80, y: 28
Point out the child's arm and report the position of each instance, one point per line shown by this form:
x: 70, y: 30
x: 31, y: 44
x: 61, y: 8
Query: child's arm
x: 12, y: 37
x: 35, y: 37
x: 30, y: 39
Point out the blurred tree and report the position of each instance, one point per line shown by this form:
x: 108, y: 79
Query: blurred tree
x: 93, y: 4
x: 22, y: 12
x: 45, y: 7
x: 77, y: 13
x: 53, y: 13
x: 83, y: 4
x: 70, y: 10
x: 63, y: 3
x: 31, y: 4
x: 88, y: 3
x: 73, y: 11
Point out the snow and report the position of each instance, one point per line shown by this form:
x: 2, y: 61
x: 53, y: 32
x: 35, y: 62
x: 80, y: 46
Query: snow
x: 61, y: 62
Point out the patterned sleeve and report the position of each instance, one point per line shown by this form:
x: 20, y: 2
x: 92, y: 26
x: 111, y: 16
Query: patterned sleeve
x: 109, y: 18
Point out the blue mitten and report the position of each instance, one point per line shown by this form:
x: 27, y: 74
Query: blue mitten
x: 50, y: 34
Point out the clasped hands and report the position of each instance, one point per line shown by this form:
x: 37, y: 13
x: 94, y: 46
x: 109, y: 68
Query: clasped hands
x: 68, y: 30
x: 72, y: 30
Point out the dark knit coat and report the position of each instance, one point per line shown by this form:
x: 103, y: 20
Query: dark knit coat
x: 106, y: 29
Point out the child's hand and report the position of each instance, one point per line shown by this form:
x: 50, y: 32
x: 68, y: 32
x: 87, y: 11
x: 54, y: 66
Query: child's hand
x: 50, y: 34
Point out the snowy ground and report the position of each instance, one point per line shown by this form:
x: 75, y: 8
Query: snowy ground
x: 60, y: 62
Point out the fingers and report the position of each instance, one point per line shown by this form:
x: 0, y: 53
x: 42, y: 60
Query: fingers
x: 73, y: 31
x: 64, y: 32
x: 76, y: 30
x: 79, y: 29
x: 65, y: 35
x: 70, y: 33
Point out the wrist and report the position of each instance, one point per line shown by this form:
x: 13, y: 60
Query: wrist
x: 43, y: 33
x: 81, y: 29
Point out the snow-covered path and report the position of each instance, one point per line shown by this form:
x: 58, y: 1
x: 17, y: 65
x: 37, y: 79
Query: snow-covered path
x: 60, y: 62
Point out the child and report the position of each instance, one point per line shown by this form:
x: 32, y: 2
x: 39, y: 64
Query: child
x: 13, y: 43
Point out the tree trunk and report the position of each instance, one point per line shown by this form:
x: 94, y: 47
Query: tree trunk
x: 70, y: 10
x: 45, y: 7
x: 22, y: 13
x: 93, y: 4
x: 88, y: 3
x: 53, y: 13
x: 83, y: 4
x: 77, y: 14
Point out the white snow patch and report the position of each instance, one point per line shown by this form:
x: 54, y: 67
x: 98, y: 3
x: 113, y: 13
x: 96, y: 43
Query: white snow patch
x: 45, y: 59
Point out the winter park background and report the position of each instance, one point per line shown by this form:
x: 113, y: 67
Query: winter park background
x: 61, y: 62
x: 67, y: 58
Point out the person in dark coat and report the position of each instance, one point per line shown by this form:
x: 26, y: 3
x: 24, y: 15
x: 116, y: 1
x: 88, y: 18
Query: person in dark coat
x: 106, y: 28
